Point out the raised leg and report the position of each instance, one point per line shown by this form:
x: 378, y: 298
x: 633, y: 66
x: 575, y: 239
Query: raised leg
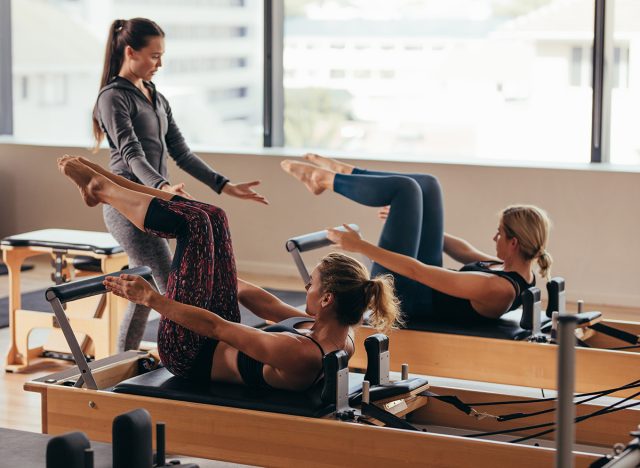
x: 123, y: 182
x: 96, y: 188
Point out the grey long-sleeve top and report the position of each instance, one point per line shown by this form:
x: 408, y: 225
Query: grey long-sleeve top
x: 141, y: 134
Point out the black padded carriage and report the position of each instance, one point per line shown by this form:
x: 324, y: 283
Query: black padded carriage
x: 160, y: 383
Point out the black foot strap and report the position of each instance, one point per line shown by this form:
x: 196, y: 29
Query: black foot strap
x: 616, y: 333
x: 389, y: 419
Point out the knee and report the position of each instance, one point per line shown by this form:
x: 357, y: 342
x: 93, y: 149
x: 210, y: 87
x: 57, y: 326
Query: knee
x: 408, y: 186
x: 427, y: 182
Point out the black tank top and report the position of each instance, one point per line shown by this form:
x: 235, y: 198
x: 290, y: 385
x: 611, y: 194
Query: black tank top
x: 455, y: 309
x: 251, y: 370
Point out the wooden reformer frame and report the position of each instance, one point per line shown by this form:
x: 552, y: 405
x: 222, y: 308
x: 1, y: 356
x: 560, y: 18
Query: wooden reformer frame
x: 271, y: 439
x: 81, y: 399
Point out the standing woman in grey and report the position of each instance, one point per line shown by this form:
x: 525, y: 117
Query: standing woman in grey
x: 139, y: 127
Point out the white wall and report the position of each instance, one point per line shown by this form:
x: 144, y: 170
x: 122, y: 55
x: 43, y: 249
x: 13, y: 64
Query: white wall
x: 595, y: 239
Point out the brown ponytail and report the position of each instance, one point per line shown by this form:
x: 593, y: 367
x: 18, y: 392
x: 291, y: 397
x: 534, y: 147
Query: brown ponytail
x: 134, y: 33
x: 348, y: 280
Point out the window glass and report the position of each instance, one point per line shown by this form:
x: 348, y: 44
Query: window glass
x: 625, y: 92
x: 212, y: 73
x: 490, y: 79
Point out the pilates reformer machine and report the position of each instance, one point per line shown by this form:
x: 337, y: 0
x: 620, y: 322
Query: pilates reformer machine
x: 73, y: 254
x: 346, y: 420
x: 513, y: 350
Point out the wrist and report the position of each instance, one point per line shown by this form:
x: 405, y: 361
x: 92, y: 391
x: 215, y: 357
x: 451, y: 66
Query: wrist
x: 153, y: 300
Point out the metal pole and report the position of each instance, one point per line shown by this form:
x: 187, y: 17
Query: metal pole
x: 565, y: 410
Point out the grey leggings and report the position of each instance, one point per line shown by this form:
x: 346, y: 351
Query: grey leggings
x: 142, y: 249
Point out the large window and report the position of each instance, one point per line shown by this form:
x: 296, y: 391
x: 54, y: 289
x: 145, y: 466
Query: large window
x: 625, y: 83
x: 505, y: 79
x: 509, y: 80
x: 212, y: 74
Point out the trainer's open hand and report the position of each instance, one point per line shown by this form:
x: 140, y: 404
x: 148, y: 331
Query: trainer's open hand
x: 383, y: 213
x: 177, y: 189
x: 348, y: 239
x: 244, y: 191
x: 131, y: 287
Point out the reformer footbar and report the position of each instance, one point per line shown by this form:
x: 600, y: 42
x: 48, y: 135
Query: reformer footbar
x: 64, y: 293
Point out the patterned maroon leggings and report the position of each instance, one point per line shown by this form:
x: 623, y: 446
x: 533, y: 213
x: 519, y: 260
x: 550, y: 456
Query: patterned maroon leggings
x: 203, y: 274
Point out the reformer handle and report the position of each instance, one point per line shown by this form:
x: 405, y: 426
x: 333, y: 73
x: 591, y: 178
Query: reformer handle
x: 531, y: 309
x: 377, y: 347
x: 555, y: 293
x: 90, y: 287
x: 314, y: 240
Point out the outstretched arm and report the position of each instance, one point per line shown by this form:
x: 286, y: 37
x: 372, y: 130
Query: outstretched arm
x: 271, y: 348
x: 462, y: 251
x: 480, y: 288
x: 265, y: 304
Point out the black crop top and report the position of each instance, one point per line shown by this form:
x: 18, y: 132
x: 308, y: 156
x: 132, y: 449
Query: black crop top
x: 450, y: 308
x: 251, y: 370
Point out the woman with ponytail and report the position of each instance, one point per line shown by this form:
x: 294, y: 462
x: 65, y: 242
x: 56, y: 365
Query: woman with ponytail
x: 413, y: 242
x: 141, y: 132
x: 198, y: 337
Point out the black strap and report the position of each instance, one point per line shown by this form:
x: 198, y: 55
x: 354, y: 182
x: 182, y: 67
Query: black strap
x: 389, y: 419
x: 468, y: 409
x: 616, y: 333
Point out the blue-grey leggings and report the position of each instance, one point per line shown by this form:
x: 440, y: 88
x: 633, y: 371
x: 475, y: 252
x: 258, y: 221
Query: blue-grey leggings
x: 415, y: 226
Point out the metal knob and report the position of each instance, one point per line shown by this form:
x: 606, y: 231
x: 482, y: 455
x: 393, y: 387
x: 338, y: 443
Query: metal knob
x: 365, y: 391
x: 405, y: 371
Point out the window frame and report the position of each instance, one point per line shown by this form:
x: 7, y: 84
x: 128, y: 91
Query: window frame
x: 6, y: 69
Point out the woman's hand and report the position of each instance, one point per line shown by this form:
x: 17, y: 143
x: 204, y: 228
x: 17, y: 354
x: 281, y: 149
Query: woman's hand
x: 244, y: 191
x: 177, y: 189
x: 131, y: 287
x: 383, y: 213
x: 348, y: 239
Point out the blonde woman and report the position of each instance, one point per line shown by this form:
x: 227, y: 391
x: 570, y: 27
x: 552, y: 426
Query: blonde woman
x: 413, y: 242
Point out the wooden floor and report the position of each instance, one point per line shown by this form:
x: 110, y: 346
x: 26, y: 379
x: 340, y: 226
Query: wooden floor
x: 21, y: 410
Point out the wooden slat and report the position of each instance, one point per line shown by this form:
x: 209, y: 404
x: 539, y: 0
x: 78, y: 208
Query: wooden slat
x: 252, y: 437
x: 500, y: 361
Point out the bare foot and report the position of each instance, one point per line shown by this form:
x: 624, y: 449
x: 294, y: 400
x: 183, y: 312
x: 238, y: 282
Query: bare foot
x: 328, y: 163
x: 316, y: 179
x: 85, y: 178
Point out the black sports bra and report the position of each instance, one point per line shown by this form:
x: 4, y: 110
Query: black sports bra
x: 251, y: 370
x: 455, y: 309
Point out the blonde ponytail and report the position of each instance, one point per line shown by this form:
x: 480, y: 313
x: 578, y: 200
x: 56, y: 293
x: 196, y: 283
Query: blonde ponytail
x: 544, y: 263
x: 384, y: 305
x: 530, y: 225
